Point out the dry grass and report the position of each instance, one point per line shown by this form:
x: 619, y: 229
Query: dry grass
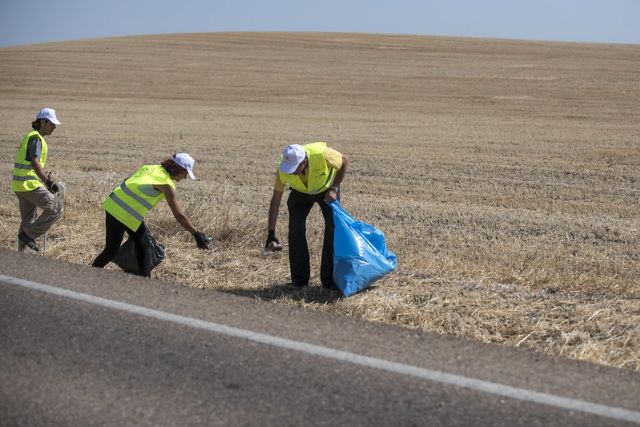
x: 505, y: 174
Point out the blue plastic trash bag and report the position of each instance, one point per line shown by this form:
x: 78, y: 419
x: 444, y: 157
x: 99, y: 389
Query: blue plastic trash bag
x: 360, y: 255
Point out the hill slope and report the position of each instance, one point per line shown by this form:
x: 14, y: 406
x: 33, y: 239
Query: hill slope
x: 504, y: 173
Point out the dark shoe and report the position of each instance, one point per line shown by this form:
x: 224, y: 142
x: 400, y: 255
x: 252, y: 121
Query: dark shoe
x: 28, y: 241
x: 330, y: 286
x: 298, y: 285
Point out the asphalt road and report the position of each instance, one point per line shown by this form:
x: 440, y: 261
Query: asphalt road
x: 82, y: 346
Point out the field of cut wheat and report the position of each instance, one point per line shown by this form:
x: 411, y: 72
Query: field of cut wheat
x: 505, y: 174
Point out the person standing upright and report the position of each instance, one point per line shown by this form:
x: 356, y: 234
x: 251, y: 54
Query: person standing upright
x: 314, y: 172
x: 32, y: 184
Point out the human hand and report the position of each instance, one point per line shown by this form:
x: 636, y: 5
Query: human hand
x: 331, y: 195
x: 202, y: 240
x: 273, y: 244
x: 50, y: 183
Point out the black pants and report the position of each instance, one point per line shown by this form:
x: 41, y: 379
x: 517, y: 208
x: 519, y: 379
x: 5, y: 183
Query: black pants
x: 300, y: 205
x: 114, y: 233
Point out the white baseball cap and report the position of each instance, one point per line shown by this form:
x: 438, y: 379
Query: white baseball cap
x: 186, y: 162
x: 49, y: 114
x: 292, y: 156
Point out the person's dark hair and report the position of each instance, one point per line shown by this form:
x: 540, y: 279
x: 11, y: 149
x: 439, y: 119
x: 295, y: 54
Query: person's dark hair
x: 171, y: 167
x: 36, y: 124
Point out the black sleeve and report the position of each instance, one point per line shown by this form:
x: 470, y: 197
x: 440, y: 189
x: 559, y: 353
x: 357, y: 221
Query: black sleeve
x: 34, y: 148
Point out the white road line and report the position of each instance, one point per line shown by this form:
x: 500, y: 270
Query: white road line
x: 414, y: 371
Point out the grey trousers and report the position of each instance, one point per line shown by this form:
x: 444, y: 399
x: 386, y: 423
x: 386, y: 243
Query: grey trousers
x: 33, y: 225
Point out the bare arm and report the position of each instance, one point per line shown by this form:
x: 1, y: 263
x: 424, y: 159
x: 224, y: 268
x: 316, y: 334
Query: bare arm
x: 274, y: 209
x: 178, y: 213
x: 37, y: 167
x: 331, y: 194
x: 341, y: 172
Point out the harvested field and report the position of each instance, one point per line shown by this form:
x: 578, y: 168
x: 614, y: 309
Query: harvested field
x: 505, y: 174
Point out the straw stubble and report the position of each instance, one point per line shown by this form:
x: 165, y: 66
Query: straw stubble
x: 504, y: 174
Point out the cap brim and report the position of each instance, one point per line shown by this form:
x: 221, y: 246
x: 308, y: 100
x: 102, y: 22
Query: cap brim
x: 54, y: 121
x: 288, y: 168
x: 191, y: 175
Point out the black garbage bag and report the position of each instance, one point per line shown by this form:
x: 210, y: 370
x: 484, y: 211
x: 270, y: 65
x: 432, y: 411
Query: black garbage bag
x: 127, y: 257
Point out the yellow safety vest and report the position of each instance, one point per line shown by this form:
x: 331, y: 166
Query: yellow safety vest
x: 132, y: 200
x: 320, y: 177
x: 24, y: 177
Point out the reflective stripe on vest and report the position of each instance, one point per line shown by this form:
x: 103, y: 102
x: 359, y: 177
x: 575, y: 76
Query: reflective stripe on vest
x: 126, y: 207
x: 132, y: 200
x: 135, y: 197
x: 320, y: 177
x: 24, y: 177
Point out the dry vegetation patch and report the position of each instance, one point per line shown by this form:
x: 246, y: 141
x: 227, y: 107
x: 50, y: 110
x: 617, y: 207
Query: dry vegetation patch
x: 505, y: 174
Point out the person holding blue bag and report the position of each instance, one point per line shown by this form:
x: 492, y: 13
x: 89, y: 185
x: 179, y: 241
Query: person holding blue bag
x: 314, y: 172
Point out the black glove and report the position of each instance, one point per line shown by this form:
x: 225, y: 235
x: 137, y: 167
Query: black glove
x: 271, y: 238
x: 51, y: 186
x: 202, y: 240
